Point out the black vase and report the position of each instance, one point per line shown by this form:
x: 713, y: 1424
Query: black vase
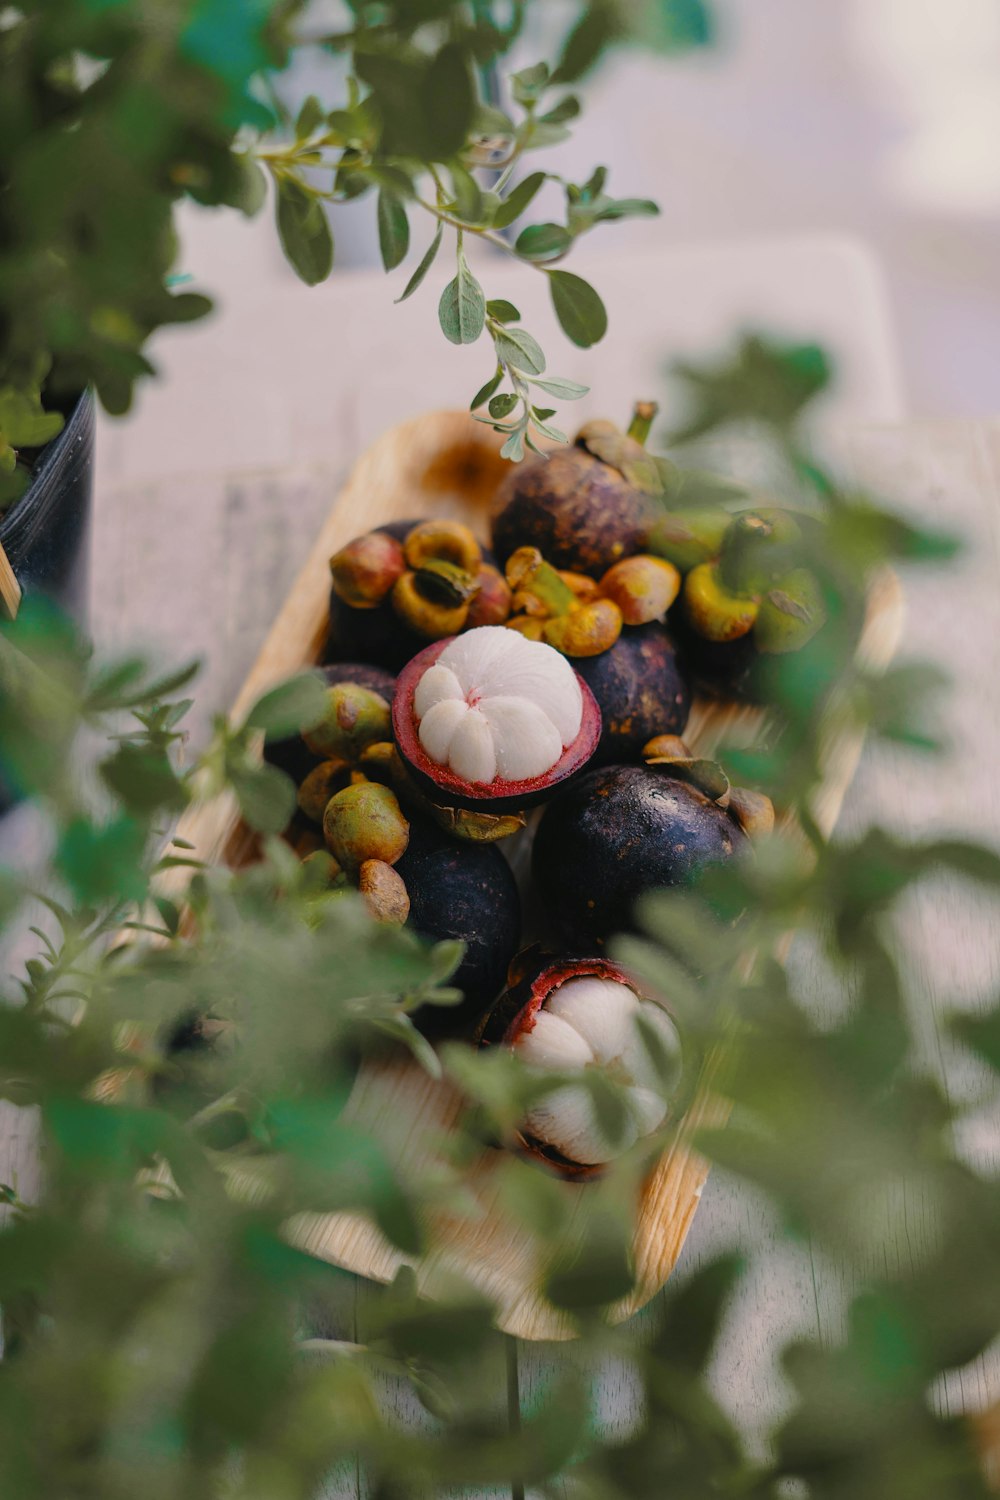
x: 46, y: 535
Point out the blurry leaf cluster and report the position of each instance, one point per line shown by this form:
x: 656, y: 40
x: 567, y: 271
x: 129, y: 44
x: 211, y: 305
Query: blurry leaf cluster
x: 112, y: 114
x: 189, y: 1037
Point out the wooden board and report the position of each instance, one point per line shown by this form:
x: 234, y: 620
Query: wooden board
x: 447, y: 464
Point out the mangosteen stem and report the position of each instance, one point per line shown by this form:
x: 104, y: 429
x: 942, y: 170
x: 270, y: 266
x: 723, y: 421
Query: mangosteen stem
x: 643, y: 417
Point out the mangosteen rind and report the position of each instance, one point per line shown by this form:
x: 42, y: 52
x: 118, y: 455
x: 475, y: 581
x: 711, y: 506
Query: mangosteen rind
x: 580, y: 513
x: 617, y: 833
x: 465, y: 891
x: 640, y: 690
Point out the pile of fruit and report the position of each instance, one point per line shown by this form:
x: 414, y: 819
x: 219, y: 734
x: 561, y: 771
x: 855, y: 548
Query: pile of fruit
x: 483, y: 701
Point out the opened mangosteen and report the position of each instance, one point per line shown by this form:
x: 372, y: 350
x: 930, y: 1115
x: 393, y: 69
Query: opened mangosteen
x: 464, y: 891
x: 492, y: 722
x: 584, y: 507
x: 403, y: 585
x: 621, y: 831
x: 572, y: 1014
x: 640, y: 691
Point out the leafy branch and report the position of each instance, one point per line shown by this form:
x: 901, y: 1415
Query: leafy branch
x: 349, y: 145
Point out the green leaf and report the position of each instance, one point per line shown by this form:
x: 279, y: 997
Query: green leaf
x: 310, y: 117
x: 513, y: 448
x: 486, y: 391
x: 488, y: 120
x: 425, y: 264
x: 694, y: 1313
x: 249, y: 192
x: 266, y: 797
x: 563, y: 390
x: 566, y: 109
x: 543, y: 241
x: 295, y: 705
x: 462, y: 309
x: 502, y: 312
x: 627, y: 208
x: 598, y: 28
x: 393, y: 229
x: 516, y: 347
x: 186, y: 307
x: 595, y: 1271
x: 102, y: 862
x: 579, y: 309
x: 527, y: 85
x: 468, y: 204
x: 555, y: 433
x: 143, y: 779
x: 448, y: 100
x: 517, y: 200
x: 502, y: 406
x: 304, y: 232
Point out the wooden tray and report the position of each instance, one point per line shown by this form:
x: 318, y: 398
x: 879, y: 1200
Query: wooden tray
x: 447, y: 464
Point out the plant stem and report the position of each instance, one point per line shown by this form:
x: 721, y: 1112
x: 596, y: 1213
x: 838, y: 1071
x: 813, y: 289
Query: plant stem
x: 643, y: 416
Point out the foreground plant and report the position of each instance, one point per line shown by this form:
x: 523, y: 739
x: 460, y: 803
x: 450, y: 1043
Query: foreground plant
x: 163, y: 1333
x: 111, y: 115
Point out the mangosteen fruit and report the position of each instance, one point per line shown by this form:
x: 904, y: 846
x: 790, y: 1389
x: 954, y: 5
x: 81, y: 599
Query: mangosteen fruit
x: 584, y: 507
x: 397, y: 588
x: 558, y: 607
x: 640, y: 691
x: 750, y: 595
x: 465, y: 891
x: 572, y: 1014
x: 492, y: 721
x: 621, y: 831
x: 291, y: 754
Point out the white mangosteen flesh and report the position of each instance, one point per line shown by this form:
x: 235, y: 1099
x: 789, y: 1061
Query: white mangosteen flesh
x: 495, y: 704
x: 590, y: 1022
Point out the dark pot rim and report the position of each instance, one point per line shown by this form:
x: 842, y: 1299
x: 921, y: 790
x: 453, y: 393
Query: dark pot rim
x: 31, y: 512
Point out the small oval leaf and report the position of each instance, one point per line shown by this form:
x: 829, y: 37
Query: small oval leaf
x: 543, y: 241
x: 516, y: 347
x: 462, y: 309
x: 580, y: 311
x: 424, y: 266
x: 393, y: 229
x: 517, y: 200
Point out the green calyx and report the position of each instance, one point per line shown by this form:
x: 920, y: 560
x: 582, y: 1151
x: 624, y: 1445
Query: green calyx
x: 444, y: 582
x: 671, y: 752
x: 624, y: 451
x: 689, y: 537
x: 529, y: 573
x: 757, y: 548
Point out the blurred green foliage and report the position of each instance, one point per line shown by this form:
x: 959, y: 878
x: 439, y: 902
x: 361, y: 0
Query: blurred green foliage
x: 191, y: 1074
x: 113, y: 113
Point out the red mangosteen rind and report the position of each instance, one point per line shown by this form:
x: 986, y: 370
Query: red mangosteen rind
x: 444, y: 787
x: 532, y: 977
